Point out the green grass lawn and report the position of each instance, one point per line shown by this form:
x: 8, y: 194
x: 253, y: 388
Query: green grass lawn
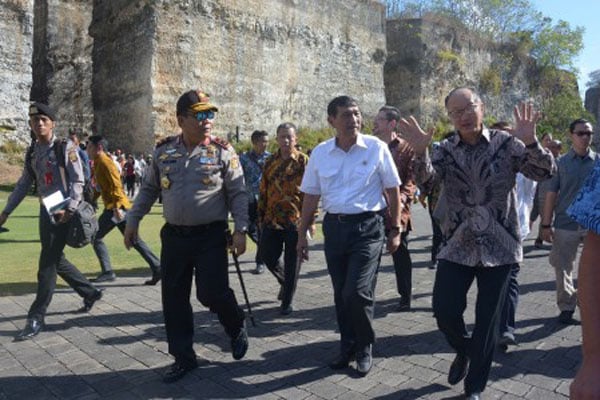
x: 20, y: 248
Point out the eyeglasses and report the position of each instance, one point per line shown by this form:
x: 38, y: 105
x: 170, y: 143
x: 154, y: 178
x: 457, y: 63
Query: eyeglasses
x: 468, y: 110
x: 584, y: 133
x: 203, y: 115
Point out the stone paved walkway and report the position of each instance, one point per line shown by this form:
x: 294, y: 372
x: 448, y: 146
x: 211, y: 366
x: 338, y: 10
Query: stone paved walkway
x: 118, y: 350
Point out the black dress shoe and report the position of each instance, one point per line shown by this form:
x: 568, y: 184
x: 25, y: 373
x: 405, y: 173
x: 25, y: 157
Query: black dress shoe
x: 108, y: 276
x: 566, y: 318
x: 32, y: 328
x: 458, y: 369
x: 342, y: 361
x: 473, y: 396
x: 178, y: 371
x: 155, y: 279
x: 286, y: 310
x: 239, y: 345
x: 364, y: 361
x: 260, y: 268
x: 89, y: 302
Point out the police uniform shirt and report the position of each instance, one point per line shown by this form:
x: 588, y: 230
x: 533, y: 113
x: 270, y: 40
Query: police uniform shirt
x: 351, y: 182
x: 47, y: 174
x: 197, y: 188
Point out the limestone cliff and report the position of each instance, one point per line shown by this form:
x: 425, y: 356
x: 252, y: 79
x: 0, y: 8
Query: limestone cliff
x: 430, y: 56
x: 16, y: 31
x: 261, y: 64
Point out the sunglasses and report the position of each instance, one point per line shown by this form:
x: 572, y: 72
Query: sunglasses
x: 204, y: 115
x: 583, y: 133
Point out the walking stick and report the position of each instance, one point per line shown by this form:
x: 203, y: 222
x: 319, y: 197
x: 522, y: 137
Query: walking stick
x: 239, y: 273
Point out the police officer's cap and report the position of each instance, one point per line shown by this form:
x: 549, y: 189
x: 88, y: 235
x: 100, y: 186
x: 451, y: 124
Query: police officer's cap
x: 38, y: 108
x: 194, y: 101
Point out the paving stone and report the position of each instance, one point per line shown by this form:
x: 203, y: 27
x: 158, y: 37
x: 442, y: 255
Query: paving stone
x: 119, y: 350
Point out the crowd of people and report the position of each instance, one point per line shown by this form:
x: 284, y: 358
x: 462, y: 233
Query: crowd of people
x: 484, y: 188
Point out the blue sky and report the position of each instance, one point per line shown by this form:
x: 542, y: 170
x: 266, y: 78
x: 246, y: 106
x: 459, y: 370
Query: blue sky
x: 584, y: 13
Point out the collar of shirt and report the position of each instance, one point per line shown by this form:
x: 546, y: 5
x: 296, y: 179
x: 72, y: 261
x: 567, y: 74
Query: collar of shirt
x: 590, y: 154
x: 360, y: 142
x: 455, y: 140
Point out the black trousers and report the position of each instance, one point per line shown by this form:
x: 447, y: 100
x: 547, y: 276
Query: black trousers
x: 199, y: 252
x: 452, y: 282
x: 52, y: 262
x: 272, y: 243
x: 254, y: 232
x: 507, y: 319
x: 353, y: 246
x: 106, y: 224
x: 403, y: 269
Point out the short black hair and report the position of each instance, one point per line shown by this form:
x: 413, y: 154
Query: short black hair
x: 476, y: 96
x: 391, y: 113
x: 98, y: 140
x: 257, y: 135
x: 577, y: 122
x: 340, y: 101
x: 287, y: 125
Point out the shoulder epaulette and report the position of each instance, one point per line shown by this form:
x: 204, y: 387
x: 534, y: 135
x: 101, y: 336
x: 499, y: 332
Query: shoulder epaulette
x: 165, y: 140
x: 221, y: 142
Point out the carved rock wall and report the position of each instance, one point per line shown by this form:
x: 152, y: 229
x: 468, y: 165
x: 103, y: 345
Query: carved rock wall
x: 261, y: 64
x: 429, y: 57
x: 592, y: 105
x: 16, y: 27
x: 62, y: 62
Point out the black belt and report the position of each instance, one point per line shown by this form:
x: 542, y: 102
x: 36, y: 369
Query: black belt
x: 352, y: 217
x: 192, y: 230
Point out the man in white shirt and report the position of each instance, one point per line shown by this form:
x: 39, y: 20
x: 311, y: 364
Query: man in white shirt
x: 350, y: 173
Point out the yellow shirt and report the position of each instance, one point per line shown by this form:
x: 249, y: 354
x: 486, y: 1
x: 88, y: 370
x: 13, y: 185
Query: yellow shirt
x: 108, y: 183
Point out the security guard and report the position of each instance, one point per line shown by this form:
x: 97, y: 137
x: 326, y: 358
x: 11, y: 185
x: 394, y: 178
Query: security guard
x: 43, y: 167
x: 200, y: 179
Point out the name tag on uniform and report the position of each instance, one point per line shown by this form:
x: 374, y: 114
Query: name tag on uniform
x: 207, y: 160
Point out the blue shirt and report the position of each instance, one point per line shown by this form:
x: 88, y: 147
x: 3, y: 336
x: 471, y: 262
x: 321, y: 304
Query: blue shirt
x: 253, y: 164
x: 585, y: 210
x: 572, y: 171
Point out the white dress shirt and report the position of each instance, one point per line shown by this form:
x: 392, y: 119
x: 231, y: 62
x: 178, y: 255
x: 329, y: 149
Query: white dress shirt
x: 351, y: 182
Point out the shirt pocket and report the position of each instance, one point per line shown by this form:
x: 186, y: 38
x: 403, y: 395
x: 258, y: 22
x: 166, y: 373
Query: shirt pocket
x: 209, y: 175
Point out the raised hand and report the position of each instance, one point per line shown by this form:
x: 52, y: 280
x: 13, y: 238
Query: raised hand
x: 414, y: 135
x: 526, y: 118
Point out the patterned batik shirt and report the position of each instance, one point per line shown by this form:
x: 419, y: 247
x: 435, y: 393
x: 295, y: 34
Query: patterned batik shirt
x: 280, y: 200
x: 480, y: 224
x: 253, y: 164
x: 585, y: 210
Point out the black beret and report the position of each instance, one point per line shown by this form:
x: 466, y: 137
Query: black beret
x: 38, y: 108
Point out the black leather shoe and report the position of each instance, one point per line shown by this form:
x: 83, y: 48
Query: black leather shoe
x: 108, y: 276
x: 566, y: 318
x: 403, y: 306
x: 507, y: 340
x: 342, y: 361
x: 32, y: 328
x: 260, y: 268
x: 458, y: 369
x: 239, y: 345
x: 178, y: 371
x: 155, y: 279
x: 89, y: 302
x: 286, y: 310
x: 364, y: 361
x: 473, y: 396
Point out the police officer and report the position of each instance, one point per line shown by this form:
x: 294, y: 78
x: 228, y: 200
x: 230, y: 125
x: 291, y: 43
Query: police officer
x: 200, y: 179
x: 43, y: 166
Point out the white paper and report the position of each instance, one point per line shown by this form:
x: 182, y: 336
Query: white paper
x: 55, y: 202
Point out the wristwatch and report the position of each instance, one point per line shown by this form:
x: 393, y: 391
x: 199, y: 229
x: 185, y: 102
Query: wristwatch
x: 395, y: 228
x: 243, y: 230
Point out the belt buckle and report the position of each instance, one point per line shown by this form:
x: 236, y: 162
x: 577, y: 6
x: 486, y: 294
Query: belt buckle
x: 340, y: 218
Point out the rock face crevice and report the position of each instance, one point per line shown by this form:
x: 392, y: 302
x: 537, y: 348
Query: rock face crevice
x: 262, y: 64
x: 16, y: 31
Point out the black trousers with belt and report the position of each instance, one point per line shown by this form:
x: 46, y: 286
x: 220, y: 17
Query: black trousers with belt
x: 272, y: 243
x: 199, y: 252
x: 52, y: 261
x: 452, y: 282
x: 353, y: 245
x: 403, y: 270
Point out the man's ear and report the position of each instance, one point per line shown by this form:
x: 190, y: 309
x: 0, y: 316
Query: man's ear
x: 330, y: 119
x: 180, y: 120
